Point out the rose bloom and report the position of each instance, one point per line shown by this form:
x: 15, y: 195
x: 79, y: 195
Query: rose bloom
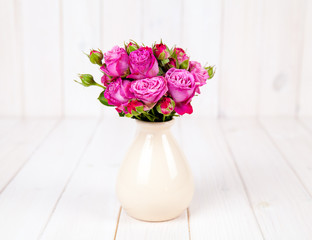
x: 116, y: 62
x: 105, y: 80
x: 143, y: 63
x: 182, y: 87
x: 200, y: 73
x: 117, y: 93
x: 149, y: 90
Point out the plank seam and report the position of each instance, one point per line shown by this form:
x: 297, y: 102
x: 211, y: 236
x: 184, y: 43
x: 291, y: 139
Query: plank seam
x: 300, y: 64
x: 117, y: 223
x: 69, y: 179
x: 220, y: 112
x: 61, y: 39
x: 29, y: 157
x: 19, y: 47
x: 241, y: 178
x: 188, y: 223
x: 285, y: 158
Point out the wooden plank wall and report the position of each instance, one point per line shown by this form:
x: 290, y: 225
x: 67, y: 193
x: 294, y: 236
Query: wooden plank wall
x: 262, y: 50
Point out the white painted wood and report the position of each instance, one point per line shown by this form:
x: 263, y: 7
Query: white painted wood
x: 307, y: 123
x: 240, y: 57
x: 282, y: 37
x: 295, y: 143
x: 220, y: 208
x: 26, y: 204
x: 130, y: 228
x: 88, y: 208
x: 162, y: 19
x: 40, y: 28
x: 6, y: 125
x: 305, y: 84
x: 19, y: 143
x: 203, y: 44
x: 10, y: 62
x: 81, y: 32
x: 282, y: 206
x: 121, y: 21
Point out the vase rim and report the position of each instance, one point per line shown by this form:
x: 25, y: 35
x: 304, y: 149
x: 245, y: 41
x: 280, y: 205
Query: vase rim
x: 166, y: 124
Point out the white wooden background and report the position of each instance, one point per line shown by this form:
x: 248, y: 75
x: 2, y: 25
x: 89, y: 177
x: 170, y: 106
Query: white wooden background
x: 262, y: 50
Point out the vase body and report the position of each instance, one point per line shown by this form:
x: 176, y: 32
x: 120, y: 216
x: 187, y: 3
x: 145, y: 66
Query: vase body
x: 154, y: 182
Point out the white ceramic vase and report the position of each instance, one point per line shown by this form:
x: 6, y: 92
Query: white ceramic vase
x: 154, y: 182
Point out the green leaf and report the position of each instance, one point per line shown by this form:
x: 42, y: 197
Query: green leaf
x: 103, y: 100
x: 164, y: 62
x: 140, y: 109
x: 184, y: 64
x: 121, y: 114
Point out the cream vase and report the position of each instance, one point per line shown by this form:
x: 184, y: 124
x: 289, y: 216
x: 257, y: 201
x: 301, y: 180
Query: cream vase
x: 154, y: 182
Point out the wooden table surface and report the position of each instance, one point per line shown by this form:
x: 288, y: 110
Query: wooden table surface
x: 253, y: 179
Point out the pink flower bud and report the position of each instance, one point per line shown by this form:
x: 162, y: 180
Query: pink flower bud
x: 172, y: 63
x: 132, y: 46
x: 181, y: 55
x: 165, y: 106
x: 161, y: 51
x: 134, y: 108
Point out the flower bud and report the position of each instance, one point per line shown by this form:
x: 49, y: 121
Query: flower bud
x: 172, y: 63
x: 87, y: 80
x: 161, y: 51
x: 131, y: 46
x: 96, y: 57
x: 211, y: 71
x: 165, y: 106
x: 134, y: 108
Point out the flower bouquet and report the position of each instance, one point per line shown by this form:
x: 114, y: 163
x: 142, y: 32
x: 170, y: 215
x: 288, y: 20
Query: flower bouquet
x: 151, y: 84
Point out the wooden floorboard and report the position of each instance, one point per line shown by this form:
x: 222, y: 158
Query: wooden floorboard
x: 88, y: 208
x: 220, y: 208
x: 26, y: 204
x: 282, y: 205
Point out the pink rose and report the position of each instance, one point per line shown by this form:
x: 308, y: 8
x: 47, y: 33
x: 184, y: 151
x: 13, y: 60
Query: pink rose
x: 200, y: 73
x: 149, y: 90
x: 143, y: 63
x: 161, y: 51
x: 117, y: 93
x: 116, y: 62
x: 165, y: 106
x: 181, y: 55
x: 105, y: 80
x: 182, y: 87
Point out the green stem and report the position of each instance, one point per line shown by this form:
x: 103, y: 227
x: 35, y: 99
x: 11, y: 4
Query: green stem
x: 99, y: 85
